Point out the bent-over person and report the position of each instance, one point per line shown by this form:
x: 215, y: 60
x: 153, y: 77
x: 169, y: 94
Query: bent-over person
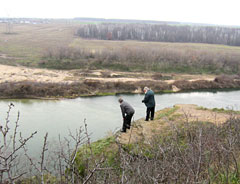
x: 127, y: 114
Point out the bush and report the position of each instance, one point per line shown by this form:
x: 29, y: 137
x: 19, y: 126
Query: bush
x: 224, y: 79
x: 138, y: 58
x: 157, y: 76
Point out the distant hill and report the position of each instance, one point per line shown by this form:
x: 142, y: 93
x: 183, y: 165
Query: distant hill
x: 103, y: 20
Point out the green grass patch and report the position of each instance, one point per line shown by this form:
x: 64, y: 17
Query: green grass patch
x: 167, y: 112
x: 168, y: 91
x: 219, y: 110
x: 175, y: 117
x: 222, y: 110
x: 105, y: 94
x: 103, y: 148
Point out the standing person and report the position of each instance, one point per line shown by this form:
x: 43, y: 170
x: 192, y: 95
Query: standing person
x: 149, y: 101
x: 127, y: 114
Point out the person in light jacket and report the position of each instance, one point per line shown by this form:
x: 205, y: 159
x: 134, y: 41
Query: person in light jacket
x: 127, y: 114
x: 149, y: 101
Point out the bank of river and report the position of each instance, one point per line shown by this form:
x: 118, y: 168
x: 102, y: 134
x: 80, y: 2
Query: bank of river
x: 102, y: 114
x: 106, y: 86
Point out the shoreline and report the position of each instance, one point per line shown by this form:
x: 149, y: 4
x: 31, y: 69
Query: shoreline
x: 46, y: 92
x: 33, y: 83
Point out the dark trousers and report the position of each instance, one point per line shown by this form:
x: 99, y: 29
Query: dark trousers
x: 127, y: 121
x: 150, y: 110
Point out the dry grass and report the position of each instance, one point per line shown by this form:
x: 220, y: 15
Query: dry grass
x: 29, y: 44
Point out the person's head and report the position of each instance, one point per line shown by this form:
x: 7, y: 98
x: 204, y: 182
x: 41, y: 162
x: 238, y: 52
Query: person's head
x: 145, y: 89
x: 120, y: 100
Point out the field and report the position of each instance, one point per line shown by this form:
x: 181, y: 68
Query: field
x: 27, y: 43
x: 49, y: 60
x: 56, y: 46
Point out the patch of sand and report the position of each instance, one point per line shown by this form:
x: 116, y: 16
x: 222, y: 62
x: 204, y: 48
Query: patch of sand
x: 19, y: 73
x: 119, y: 79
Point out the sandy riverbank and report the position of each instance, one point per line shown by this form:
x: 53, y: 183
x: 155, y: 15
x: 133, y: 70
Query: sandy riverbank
x: 20, y: 73
x: 23, y: 82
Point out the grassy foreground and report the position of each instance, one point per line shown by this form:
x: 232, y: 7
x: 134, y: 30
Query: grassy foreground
x: 183, y: 144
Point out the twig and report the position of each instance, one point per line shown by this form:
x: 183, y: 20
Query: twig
x: 131, y: 133
x: 93, y: 171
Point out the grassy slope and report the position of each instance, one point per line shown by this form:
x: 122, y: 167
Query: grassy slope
x: 136, y: 141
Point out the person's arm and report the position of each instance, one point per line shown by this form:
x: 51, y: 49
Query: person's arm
x: 146, y: 98
x: 123, y: 111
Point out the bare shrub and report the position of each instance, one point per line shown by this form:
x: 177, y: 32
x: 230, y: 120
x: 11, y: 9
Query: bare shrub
x: 106, y: 74
x: 57, y: 165
x: 182, y: 84
x: 92, y: 83
x: 142, y: 58
x: 11, y: 145
x: 157, y: 76
x: 188, y: 153
x: 223, y: 79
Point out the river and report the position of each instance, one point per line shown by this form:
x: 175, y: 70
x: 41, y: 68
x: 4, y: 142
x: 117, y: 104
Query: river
x: 102, y: 114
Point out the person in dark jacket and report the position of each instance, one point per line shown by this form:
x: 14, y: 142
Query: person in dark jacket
x: 149, y: 101
x: 127, y: 114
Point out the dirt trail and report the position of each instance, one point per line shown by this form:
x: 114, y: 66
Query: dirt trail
x: 144, y: 130
x: 195, y: 113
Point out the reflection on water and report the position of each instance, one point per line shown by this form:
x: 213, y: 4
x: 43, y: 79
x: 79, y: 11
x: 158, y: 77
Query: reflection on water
x: 102, y: 113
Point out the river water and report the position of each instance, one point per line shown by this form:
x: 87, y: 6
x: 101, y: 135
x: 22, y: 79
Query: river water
x: 102, y: 114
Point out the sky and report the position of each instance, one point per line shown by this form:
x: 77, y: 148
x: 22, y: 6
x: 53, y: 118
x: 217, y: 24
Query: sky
x: 223, y: 12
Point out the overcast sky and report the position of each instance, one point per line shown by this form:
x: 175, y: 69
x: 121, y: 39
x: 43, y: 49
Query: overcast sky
x: 224, y: 12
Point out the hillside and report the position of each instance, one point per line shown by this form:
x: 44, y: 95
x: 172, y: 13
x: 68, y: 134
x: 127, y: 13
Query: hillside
x: 184, y: 144
x: 168, y: 117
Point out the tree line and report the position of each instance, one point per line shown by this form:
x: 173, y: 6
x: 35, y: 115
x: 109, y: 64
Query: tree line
x: 161, y: 33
